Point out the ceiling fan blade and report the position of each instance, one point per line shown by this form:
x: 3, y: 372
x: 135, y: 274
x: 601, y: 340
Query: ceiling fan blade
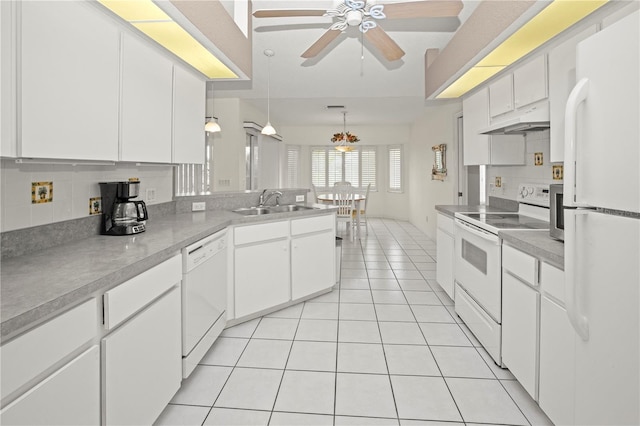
x: 285, y: 13
x: 380, y: 39
x: 321, y: 43
x: 423, y: 9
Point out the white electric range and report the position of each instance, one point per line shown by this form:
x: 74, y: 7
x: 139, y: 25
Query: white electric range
x: 478, y: 262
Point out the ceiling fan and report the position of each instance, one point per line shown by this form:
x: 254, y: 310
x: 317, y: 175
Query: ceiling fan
x: 365, y: 14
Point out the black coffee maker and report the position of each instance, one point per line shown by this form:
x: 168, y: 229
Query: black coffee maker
x: 120, y: 214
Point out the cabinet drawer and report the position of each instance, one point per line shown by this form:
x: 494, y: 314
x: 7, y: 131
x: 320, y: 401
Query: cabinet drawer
x: 37, y: 350
x: 312, y: 224
x: 261, y: 232
x: 552, y: 281
x: 520, y: 264
x: 132, y: 295
x: 70, y: 396
x: 446, y: 223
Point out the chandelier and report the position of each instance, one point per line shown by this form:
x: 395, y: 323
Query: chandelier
x: 344, y: 138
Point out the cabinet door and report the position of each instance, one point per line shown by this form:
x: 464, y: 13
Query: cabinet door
x: 189, y: 94
x: 143, y: 364
x: 557, y: 361
x: 69, y: 81
x: 476, y: 116
x: 261, y: 274
x: 530, y: 82
x: 70, y: 396
x: 147, y: 87
x: 312, y: 264
x: 501, y: 96
x: 562, y: 78
x: 520, y: 305
x: 445, y: 253
x: 7, y: 80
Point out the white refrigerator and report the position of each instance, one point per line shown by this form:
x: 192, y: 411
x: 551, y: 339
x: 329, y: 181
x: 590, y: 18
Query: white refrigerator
x: 602, y: 225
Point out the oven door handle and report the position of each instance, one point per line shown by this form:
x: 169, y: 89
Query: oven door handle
x: 478, y: 232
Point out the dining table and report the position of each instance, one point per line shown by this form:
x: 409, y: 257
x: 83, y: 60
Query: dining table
x: 357, y: 199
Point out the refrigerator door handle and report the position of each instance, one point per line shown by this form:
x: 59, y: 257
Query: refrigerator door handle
x: 576, y: 97
x: 578, y: 320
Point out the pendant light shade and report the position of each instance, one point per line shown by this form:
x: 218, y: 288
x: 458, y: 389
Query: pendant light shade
x: 268, y: 128
x: 212, y: 125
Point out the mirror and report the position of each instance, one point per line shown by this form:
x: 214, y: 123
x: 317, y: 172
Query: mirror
x: 439, y: 170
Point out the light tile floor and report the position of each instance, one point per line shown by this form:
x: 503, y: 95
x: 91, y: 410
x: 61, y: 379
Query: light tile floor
x: 383, y: 348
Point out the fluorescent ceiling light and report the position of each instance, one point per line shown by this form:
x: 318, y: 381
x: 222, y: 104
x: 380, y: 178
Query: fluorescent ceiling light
x: 551, y: 21
x: 155, y: 23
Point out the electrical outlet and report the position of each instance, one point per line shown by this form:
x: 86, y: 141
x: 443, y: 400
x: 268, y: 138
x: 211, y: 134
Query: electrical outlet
x: 151, y: 194
x: 498, y: 182
x: 299, y: 198
x: 198, y: 206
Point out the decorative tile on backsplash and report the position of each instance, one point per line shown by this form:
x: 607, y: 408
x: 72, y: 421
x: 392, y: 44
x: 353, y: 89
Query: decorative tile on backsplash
x: 41, y: 192
x: 558, y: 172
x: 95, y: 205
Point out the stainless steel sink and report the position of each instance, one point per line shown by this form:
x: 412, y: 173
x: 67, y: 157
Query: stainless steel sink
x: 254, y: 211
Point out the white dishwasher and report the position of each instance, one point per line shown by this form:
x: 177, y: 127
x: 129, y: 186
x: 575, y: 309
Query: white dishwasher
x: 204, y: 297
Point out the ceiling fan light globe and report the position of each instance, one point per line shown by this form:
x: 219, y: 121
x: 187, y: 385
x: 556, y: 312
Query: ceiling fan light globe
x: 212, y: 127
x: 268, y: 129
x: 354, y: 18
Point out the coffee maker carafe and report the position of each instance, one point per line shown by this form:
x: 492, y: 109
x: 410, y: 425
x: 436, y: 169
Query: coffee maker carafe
x: 120, y: 214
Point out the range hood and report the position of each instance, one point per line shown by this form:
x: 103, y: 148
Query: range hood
x: 531, y: 119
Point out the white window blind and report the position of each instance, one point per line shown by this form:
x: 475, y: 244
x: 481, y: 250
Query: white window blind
x: 329, y: 166
x: 395, y: 168
x: 293, y: 159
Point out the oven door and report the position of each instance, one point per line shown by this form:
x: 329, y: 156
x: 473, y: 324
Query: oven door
x: 477, y: 267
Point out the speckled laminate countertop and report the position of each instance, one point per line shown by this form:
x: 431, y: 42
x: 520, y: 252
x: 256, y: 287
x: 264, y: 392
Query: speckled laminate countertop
x: 537, y: 243
x: 34, y: 287
x: 450, y: 210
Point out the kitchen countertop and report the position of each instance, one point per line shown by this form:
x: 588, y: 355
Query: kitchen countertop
x: 36, y: 286
x: 537, y: 243
x: 450, y: 210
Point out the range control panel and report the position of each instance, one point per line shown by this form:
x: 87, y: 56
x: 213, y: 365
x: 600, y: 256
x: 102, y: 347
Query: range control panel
x: 533, y: 193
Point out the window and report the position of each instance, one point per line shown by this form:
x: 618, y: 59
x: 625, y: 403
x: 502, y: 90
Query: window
x: 395, y: 169
x: 293, y: 159
x: 329, y: 166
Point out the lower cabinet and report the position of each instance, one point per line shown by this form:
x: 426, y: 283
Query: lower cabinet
x: 69, y: 396
x: 445, y: 254
x: 142, y: 363
x: 261, y: 273
x: 312, y: 263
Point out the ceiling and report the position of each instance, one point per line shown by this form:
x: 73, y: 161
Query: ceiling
x: 373, y: 90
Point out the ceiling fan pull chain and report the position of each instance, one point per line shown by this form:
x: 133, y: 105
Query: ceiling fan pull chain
x: 361, y: 54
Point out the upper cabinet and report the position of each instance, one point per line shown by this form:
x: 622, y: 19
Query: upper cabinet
x: 189, y: 102
x: 7, y: 80
x: 146, y: 103
x: 69, y: 82
x: 526, y: 85
x: 485, y: 149
x: 562, y: 78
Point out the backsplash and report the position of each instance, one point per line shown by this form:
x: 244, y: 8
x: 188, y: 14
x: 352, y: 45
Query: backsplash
x: 511, y: 176
x: 73, y: 187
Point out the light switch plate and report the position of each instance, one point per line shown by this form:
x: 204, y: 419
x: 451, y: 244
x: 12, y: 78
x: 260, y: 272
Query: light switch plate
x: 299, y: 198
x: 198, y: 206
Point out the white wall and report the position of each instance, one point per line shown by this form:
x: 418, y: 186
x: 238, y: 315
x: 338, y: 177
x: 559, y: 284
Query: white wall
x: 381, y: 203
x: 512, y: 176
x: 73, y: 186
x: 437, y: 125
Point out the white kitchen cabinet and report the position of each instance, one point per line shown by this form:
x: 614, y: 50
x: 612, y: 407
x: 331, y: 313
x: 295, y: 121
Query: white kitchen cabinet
x: 8, y: 145
x: 501, y: 95
x: 445, y: 254
x: 142, y: 363
x: 530, y: 82
x: 69, y: 81
x: 70, y: 396
x: 557, y: 354
x: 146, y: 102
x: 188, y: 140
x: 562, y: 78
x: 520, y: 307
x: 484, y: 149
x: 312, y: 255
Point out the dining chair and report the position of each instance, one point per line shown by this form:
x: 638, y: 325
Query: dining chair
x: 363, y: 211
x: 343, y: 199
x: 315, y: 194
x: 344, y: 182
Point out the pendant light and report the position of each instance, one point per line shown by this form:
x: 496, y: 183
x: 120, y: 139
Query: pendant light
x: 212, y: 125
x: 268, y: 128
x: 345, y: 139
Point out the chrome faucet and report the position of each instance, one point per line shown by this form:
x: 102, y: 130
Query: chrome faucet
x: 264, y: 200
